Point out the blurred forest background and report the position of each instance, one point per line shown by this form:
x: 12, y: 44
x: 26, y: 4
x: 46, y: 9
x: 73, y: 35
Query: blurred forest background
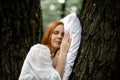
x: 22, y: 23
x: 57, y: 9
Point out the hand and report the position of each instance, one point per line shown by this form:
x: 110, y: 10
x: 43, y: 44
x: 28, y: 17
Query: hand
x: 65, y: 43
x: 63, y: 53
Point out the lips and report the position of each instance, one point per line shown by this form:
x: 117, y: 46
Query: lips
x: 58, y: 41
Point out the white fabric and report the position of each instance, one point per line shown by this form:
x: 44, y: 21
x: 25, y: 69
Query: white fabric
x: 73, y: 26
x: 38, y: 65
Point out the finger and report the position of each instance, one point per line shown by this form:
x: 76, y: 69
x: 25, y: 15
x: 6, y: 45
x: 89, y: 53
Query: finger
x: 65, y: 36
x: 68, y: 37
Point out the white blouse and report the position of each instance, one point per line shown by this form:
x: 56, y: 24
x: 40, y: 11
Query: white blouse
x: 38, y: 65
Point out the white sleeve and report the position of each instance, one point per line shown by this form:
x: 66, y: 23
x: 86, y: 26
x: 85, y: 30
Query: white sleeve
x: 38, y: 65
x: 73, y: 26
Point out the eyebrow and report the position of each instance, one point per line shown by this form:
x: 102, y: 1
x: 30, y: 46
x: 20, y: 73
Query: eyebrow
x: 58, y: 31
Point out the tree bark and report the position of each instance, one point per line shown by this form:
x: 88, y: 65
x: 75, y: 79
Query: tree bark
x: 63, y: 7
x: 21, y: 27
x: 99, y: 53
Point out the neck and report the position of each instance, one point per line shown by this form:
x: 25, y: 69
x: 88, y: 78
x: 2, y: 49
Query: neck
x: 53, y: 52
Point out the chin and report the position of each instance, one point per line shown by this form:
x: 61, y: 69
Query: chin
x: 57, y: 46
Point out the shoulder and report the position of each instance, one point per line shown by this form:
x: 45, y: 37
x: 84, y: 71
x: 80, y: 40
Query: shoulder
x: 39, y: 49
x: 40, y: 46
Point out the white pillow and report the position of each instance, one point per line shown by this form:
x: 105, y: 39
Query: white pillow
x: 73, y: 26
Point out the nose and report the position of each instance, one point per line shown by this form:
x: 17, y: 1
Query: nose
x: 60, y: 36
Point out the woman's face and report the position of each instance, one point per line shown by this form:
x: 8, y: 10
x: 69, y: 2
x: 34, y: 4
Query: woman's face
x: 57, y: 36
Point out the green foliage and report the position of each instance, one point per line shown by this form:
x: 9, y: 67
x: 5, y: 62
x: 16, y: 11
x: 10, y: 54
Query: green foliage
x: 51, y: 9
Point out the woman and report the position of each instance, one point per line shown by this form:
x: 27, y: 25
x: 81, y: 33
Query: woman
x: 46, y: 61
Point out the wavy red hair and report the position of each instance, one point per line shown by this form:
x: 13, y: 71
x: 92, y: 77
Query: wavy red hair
x: 46, y: 40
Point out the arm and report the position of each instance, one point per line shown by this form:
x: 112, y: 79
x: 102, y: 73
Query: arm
x: 73, y: 26
x: 62, y: 55
x: 38, y: 65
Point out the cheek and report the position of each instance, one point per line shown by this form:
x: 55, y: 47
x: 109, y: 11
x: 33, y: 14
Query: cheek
x: 52, y: 39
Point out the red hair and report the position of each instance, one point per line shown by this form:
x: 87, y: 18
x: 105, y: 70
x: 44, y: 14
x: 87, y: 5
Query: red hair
x: 46, y: 40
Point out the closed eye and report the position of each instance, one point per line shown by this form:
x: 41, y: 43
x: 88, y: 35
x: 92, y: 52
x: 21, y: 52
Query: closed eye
x: 55, y: 32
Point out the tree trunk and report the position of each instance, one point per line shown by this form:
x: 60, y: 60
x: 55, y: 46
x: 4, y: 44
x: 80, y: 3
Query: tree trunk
x: 21, y: 27
x: 63, y: 6
x: 99, y: 53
